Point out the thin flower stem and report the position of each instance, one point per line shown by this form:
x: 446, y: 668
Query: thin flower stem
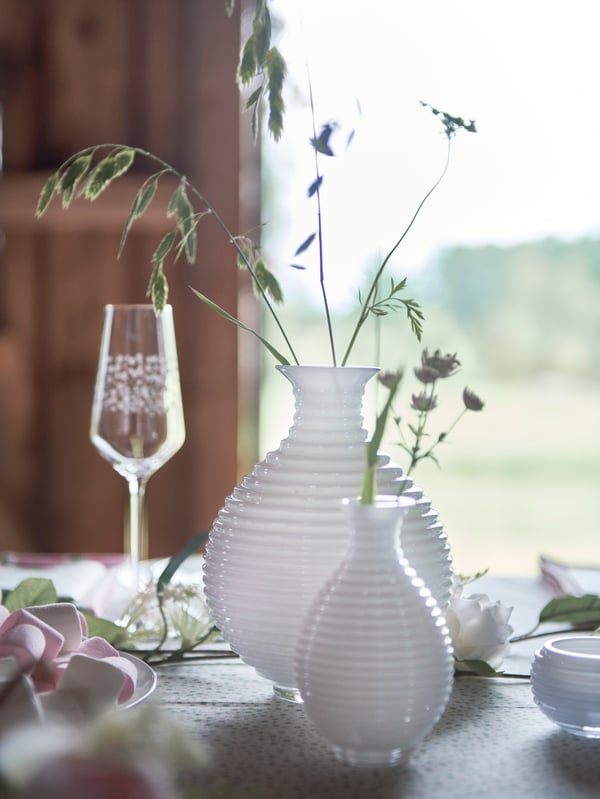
x: 415, y: 457
x: 441, y: 437
x: 320, y: 228
x: 364, y: 311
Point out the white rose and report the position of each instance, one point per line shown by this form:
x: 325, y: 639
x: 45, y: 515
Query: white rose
x: 479, y: 629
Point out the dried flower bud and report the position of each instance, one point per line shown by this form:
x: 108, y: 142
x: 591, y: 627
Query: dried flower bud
x: 472, y: 401
x: 445, y: 365
x: 426, y: 374
x: 423, y: 402
x: 390, y: 379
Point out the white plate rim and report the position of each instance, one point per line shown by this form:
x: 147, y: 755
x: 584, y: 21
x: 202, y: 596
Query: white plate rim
x: 145, y: 683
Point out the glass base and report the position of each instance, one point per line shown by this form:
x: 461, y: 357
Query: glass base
x: 288, y: 694
x: 369, y: 759
x: 582, y: 731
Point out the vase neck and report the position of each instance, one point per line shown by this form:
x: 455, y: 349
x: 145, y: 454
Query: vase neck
x: 328, y: 403
x: 375, y: 528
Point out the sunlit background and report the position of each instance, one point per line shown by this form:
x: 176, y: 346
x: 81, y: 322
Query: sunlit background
x: 504, y: 259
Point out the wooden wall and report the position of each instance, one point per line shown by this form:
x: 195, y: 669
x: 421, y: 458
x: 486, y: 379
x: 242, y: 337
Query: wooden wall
x: 159, y: 74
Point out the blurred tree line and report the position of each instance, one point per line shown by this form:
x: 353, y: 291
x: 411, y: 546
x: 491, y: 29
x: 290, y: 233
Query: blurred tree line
x: 525, y: 308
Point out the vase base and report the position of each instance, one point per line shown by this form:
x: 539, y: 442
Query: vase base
x: 288, y: 694
x: 370, y: 759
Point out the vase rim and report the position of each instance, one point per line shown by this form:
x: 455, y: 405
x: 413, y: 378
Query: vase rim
x: 324, y: 366
x: 388, y: 501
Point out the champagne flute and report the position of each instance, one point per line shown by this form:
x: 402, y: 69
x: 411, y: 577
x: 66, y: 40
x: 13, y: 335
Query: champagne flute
x: 137, y: 414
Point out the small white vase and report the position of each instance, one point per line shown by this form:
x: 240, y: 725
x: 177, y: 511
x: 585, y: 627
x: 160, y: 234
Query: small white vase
x: 374, y: 660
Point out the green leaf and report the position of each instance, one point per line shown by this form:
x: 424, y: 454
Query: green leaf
x: 254, y: 98
x: 194, y: 544
x: 159, y: 292
x: 107, y: 170
x: 141, y: 201
x: 315, y: 186
x: 47, y: 193
x: 305, y: 244
x: 375, y: 442
x: 481, y: 667
x: 229, y: 6
x: 164, y: 247
x: 181, y: 208
x: 267, y: 281
x: 262, y: 35
x: 321, y: 142
x: 108, y: 630
x: 222, y: 312
x: 71, y: 177
x: 247, y: 66
x: 275, y: 69
x: 32, y: 591
x: 572, y: 609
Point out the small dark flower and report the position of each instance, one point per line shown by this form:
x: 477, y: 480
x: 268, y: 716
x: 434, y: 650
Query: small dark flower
x: 427, y: 374
x: 472, y: 401
x: 424, y: 402
x: 390, y: 379
x: 445, y: 365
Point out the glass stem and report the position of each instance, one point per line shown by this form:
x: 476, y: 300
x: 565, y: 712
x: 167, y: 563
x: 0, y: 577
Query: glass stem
x: 137, y: 539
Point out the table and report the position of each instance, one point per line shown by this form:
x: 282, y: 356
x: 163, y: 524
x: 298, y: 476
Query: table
x: 492, y: 742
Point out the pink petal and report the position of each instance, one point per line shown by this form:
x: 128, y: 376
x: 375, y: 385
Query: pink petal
x: 53, y: 639
x: 95, y: 684
x: 97, y: 647
x: 130, y: 672
x: 63, y: 617
x: 25, y: 642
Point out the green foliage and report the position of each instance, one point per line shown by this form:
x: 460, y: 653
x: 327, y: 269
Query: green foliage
x: 223, y: 313
x: 47, y: 193
x: 481, y: 668
x: 369, y: 485
x: 260, y: 60
x: 305, y: 244
x: 30, y: 592
x: 573, y: 610
x: 579, y: 611
x: 264, y: 282
x: 71, y: 177
x: 182, y: 239
x: 321, y: 143
x: 392, y: 302
x: 111, y: 632
x: 141, y: 202
x: 181, y: 208
x: 109, y: 168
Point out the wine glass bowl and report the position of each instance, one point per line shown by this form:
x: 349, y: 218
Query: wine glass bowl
x: 137, y: 419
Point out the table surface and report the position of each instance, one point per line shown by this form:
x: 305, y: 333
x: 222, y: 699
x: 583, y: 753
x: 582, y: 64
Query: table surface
x: 492, y: 740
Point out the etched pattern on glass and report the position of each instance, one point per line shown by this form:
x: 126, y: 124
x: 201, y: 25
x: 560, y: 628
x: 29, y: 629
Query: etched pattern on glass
x: 135, y: 384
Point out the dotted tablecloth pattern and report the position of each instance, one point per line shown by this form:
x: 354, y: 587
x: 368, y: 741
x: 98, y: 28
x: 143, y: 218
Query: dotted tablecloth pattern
x: 491, y: 742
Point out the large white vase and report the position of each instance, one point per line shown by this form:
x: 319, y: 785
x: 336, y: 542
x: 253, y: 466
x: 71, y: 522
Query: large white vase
x: 374, y: 658
x: 281, y: 532
x: 424, y: 541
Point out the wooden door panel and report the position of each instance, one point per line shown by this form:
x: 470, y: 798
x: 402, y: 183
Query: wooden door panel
x: 159, y: 74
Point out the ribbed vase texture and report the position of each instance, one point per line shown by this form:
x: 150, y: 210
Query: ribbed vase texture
x: 281, y: 532
x: 374, y: 660
x: 423, y: 538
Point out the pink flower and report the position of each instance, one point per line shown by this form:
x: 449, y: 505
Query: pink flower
x: 80, y: 776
